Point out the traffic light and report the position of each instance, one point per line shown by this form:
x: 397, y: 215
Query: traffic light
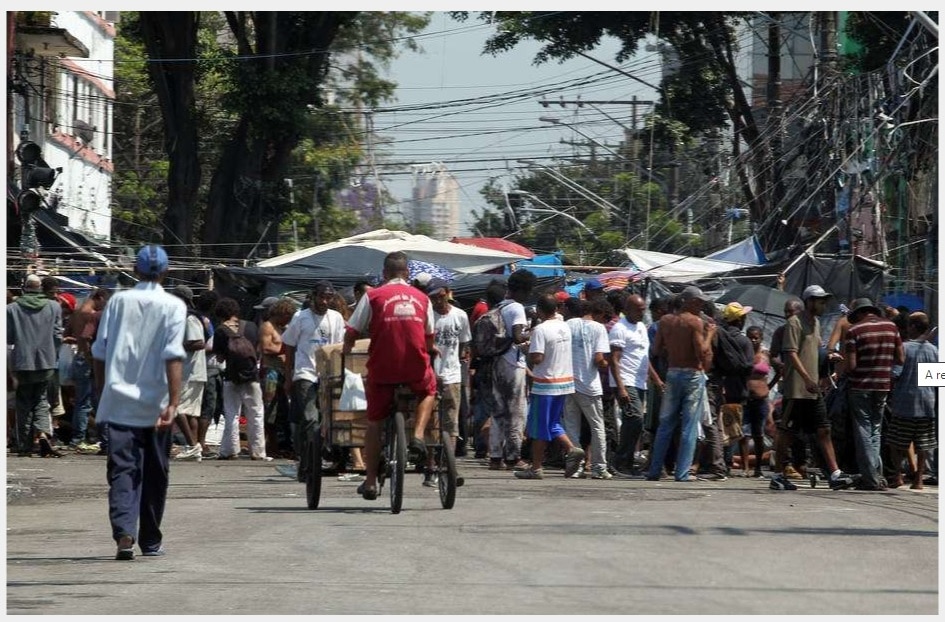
x: 34, y: 174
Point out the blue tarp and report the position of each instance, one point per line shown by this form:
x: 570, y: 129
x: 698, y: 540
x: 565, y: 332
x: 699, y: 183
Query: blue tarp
x: 553, y: 259
x: 913, y: 301
x: 748, y: 251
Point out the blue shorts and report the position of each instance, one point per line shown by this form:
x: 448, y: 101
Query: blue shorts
x: 544, y: 417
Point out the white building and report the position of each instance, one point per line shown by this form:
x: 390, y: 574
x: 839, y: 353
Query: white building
x: 436, y: 200
x: 62, y: 68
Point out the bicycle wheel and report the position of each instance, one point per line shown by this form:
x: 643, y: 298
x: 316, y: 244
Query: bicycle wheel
x: 446, y: 472
x: 397, y: 441
x: 303, y: 458
x: 313, y: 475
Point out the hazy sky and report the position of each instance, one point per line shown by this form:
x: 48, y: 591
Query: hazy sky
x: 499, y: 123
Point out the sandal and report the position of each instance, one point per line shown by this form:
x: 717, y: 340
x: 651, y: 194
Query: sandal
x: 369, y: 494
x: 46, y: 449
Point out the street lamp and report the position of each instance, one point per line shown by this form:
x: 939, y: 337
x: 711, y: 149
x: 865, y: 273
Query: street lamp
x: 548, y: 209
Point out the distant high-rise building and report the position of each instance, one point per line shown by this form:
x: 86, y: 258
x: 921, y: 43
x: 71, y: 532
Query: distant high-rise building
x: 436, y: 200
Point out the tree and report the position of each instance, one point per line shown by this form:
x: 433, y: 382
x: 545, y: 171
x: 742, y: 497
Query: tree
x: 701, y: 95
x: 239, y: 93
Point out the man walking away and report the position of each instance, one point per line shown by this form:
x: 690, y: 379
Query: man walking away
x: 139, y: 356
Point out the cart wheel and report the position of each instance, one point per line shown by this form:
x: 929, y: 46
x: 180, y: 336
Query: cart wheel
x: 313, y: 475
x: 397, y: 461
x: 303, y: 459
x: 813, y: 480
x: 446, y: 471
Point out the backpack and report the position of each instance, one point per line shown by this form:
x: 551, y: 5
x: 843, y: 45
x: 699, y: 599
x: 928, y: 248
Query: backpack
x: 489, y: 338
x: 241, y: 364
x: 729, y: 356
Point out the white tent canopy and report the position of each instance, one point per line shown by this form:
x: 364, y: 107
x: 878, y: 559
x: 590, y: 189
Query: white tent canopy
x: 678, y: 268
x: 366, y: 252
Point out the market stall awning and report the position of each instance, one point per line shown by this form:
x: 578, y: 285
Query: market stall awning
x: 496, y: 244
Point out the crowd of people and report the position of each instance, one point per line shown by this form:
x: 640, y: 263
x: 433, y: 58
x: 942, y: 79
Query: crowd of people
x: 527, y: 381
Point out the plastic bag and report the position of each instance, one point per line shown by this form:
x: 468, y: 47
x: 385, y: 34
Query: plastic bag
x: 66, y: 354
x: 352, y: 392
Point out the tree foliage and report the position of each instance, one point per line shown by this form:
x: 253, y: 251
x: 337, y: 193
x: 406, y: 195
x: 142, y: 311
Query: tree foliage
x: 244, y: 106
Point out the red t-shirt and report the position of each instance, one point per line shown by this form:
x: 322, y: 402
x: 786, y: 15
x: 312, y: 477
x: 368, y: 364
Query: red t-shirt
x: 477, y: 311
x: 398, y: 330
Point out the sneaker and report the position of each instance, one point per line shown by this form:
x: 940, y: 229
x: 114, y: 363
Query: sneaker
x: 780, y: 482
x: 601, y: 474
x: 841, y: 481
x: 431, y: 480
x: 263, y: 458
x: 518, y: 465
x: 791, y: 473
x: 158, y: 552
x: 194, y: 452
x: 496, y: 464
x: 126, y: 550
x: 715, y: 477
x: 529, y: 474
x: 579, y: 474
x: 758, y: 475
x: 573, y: 460
x: 416, y: 450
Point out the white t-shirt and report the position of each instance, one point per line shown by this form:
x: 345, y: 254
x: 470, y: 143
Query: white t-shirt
x: 307, y: 332
x: 195, y: 364
x: 634, y: 360
x: 587, y: 339
x: 513, y: 313
x: 554, y: 375
x: 451, y: 330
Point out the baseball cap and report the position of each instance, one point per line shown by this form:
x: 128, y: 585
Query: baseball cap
x: 151, y: 261
x: 266, y: 303
x: 184, y: 293
x: 593, y: 284
x: 33, y: 284
x: 436, y: 286
x: 67, y: 299
x: 692, y: 292
x: 423, y: 279
x: 815, y: 291
x: 562, y: 295
x: 733, y: 311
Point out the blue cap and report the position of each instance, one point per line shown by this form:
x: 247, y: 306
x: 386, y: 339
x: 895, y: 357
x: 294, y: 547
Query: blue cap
x: 593, y: 284
x: 151, y: 261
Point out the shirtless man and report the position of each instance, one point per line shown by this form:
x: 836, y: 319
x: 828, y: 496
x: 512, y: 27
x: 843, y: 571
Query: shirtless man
x: 686, y: 342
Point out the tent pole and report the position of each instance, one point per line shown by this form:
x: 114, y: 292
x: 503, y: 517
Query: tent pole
x: 809, y: 249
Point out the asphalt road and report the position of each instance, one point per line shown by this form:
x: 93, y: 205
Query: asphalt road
x: 240, y: 541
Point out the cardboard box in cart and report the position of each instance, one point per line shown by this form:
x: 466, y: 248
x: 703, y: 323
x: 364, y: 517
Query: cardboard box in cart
x: 347, y: 426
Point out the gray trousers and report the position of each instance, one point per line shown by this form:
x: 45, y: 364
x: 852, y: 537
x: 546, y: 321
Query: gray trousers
x: 32, y: 406
x: 508, y: 411
x: 591, y: 407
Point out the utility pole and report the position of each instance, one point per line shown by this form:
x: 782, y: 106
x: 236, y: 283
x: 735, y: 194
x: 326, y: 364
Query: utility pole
x: 629, y: 138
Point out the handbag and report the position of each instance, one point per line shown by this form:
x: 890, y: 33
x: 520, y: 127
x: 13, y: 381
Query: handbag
x: 732, y: 422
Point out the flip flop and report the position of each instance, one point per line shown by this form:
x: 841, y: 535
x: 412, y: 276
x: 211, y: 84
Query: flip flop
x: 369, y: 494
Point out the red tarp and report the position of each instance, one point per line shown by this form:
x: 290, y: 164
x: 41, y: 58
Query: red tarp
x: 496, y: 244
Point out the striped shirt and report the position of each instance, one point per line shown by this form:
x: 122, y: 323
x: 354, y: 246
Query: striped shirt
x: 875, y: 341
x: 555, y: 374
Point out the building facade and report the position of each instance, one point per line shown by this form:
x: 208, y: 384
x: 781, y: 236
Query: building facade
x: 436, y: 200
x: 61, y: 68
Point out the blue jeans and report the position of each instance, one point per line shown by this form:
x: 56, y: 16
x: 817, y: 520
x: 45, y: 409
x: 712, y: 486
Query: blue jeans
x: 681, y: 408
x: 82, y: 376
x: 867, y: 410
